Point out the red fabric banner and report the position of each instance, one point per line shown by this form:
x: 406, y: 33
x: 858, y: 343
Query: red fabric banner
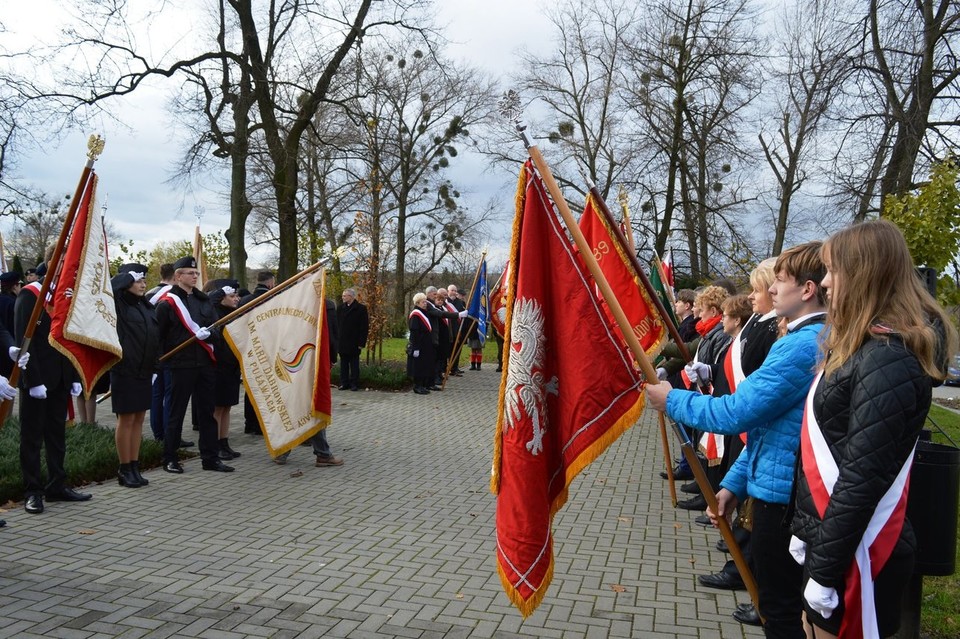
x: 498, y: 303
x: 569, y: 390
x: 88, y: 340
x: 624, y: 281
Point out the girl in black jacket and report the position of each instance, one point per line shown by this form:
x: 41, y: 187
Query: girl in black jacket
x: 863, y: 417
x: 226, y: 392
x: 132, y: 377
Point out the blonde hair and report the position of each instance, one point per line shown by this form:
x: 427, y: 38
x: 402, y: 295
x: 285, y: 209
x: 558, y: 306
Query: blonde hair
x: 419, y: 297
x: 712, y: 297
x: 875, y: 282
x: 761, y: 277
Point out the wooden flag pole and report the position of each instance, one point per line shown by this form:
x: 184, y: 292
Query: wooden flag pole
x: 456, y: 342
x: 641, y: 357
x: 95, y: 146
x: 229, y: 317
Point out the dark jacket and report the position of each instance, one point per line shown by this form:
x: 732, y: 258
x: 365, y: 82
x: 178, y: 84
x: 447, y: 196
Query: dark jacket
x: 258, y: 290
x: 137, y: 329
x: 421, y: 341
x: 226, y: 361
x: 7, y: 302
x: 688, y: 328
x: 437, y: 315
x: 173, y: 332
x: 330, y: 310
x: 47, y: 366
x: 353, y: 324
x: 871, y: 412
x: 756, y: 339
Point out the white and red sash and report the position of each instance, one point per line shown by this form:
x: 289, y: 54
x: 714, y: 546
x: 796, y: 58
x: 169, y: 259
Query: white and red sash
x: 422, y: 317
x: 163, y: 290
x: 883, y: 530
x: 178, y: 307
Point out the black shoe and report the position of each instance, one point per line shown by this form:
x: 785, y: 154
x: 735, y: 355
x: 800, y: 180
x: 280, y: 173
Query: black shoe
x: 217, y: 466
x: 185, y: 444
x: 3, y: 523
x: 694, y: 503
x: 679, y: 474
x: 125, y: 477
x: 692, y: 488
x: 68, y: 494
x: 704, y: 521
x: 745, y: 607
x: 354, y: 388
x: 135, y: 467
x: 749, y: 617
x: 421, y: 391
x: 341, y: 388
x: 722, y: 581
x: 225, y: 446
x: 435, y: 388
x: 499, y: 369
x: 173, y: 467
x: 34, y: 504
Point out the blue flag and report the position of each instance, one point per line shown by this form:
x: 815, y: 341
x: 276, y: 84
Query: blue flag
x: 480, y: 303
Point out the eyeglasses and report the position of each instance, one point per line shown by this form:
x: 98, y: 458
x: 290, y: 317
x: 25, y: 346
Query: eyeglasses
x: 190, y: 273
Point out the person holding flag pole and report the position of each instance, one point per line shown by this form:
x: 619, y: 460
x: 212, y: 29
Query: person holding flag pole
x: 477, y: 312
x: 517, y: 591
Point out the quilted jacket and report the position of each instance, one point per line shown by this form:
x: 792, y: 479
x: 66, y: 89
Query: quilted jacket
x: 870, y: 411
x: 768, y: 406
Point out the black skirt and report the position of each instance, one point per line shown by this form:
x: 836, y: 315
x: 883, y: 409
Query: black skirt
x: 226, y: 391
x: 130, y: 394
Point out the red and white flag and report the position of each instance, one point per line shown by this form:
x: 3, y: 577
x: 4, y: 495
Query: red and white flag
x: 668, y: 268
x: 498, y: 303
x: 569, y: 390
x: 83, y: 325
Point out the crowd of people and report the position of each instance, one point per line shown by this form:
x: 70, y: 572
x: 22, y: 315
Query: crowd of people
x: 828, y: 382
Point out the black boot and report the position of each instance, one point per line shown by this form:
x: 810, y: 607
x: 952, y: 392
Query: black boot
x: 478, y: 365
x: 126, y: 478
x: 135, y: 467
x: 225, y: 445
x: 223, y: 452
x: 473, y: 366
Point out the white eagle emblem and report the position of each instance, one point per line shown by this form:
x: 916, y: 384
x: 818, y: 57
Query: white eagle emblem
x: 527, y: 389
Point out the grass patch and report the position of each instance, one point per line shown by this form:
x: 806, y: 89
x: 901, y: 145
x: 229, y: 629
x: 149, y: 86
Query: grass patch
x: 940, y: 613
x: 91, y: 457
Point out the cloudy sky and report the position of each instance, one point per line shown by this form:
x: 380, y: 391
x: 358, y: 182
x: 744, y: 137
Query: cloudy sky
x: 142, y: 150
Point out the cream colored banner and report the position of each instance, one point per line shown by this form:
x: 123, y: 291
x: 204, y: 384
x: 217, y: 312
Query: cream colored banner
x: 92, y: 318
x: 276, y: 344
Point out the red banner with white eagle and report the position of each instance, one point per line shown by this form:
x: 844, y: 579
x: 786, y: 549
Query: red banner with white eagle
x: 569, y: 390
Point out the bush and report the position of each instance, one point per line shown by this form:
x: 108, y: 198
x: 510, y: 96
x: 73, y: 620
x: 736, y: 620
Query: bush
x: 387, y: 376
x: 91, y: 457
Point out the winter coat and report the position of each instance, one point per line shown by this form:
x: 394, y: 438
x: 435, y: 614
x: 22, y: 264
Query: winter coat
x: 173, y: 332
x: 137, y: 330
x: 353, y: 325
x: 768, y: 406
x: 47, y: 366
x: 423, y: 365
x: 871, y: 412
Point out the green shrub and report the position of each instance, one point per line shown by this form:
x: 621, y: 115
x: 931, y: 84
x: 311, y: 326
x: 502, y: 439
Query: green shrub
x: 91, y: 457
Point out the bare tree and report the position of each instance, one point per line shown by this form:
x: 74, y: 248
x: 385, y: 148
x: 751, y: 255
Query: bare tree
x: 812, y: 62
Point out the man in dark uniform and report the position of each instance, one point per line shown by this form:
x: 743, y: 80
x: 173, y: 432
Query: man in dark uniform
x: 9, y: 289
x: 265, y: 281
x: 184, y: 312
x: 49, y: 380
x: 353, y: 324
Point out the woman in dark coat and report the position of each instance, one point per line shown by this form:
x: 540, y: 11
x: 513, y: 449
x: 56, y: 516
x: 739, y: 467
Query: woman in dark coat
x: 884, y: 347
x: 420, y: 360
x: 132, y: 377
x: 226, y: 393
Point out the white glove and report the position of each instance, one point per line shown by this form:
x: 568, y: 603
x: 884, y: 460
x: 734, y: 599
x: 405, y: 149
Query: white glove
x: 661, y: 374
x: 798, y: 549
x: 68, y: 293
x: 153, y: 379
x: 462, y: 314
x: 416, y: 353
x: 76, y: 389
x: 20, y: 360
x: 6, y: 390
x: 698, y: 372
x: 38, y: 392
x: 137, y: 276
x: 203, y: 333
x: 822, y: 599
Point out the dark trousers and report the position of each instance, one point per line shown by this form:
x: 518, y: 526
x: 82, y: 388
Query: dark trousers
x: 251, y: 424
x: 350, y: 370
x: 779, y: 577
x: 499, y: 339
x: 188, y: 384
x: 43, y: 423
x: 157, y: 412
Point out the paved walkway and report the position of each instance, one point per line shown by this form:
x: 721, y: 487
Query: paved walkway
x: 396, y: 543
